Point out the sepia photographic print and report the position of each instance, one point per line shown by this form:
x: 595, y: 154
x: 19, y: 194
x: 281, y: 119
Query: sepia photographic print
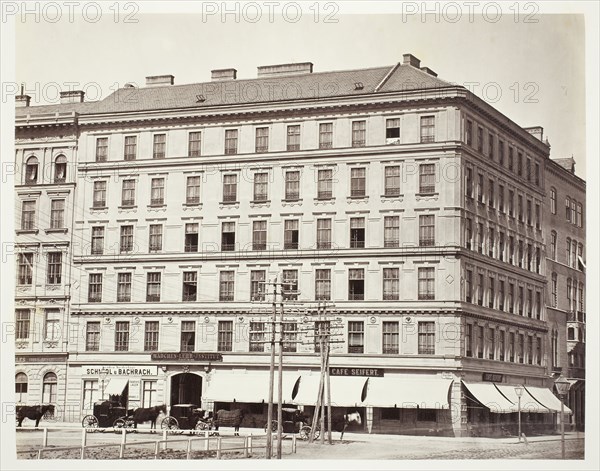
x: 289, y: 235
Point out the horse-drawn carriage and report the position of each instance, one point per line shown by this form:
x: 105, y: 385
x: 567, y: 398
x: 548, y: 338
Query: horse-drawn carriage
x: 108, y: 414
x: 187, y: 417
x: 294, y: 421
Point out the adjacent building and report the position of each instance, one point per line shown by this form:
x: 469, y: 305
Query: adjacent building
x: 410, y: 206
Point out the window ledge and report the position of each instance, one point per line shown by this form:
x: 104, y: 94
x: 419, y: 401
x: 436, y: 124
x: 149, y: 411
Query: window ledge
x: 157, y: 206
x: 399, y: 196
x: 292, y: 202
x: 324, y: 200
x: 99, y: 208
x: 27, y: 231
x: 191, y: 205
x: 56, y: 230
x: 127, y: 208
x: 357, y: 199
x: 427, y: 196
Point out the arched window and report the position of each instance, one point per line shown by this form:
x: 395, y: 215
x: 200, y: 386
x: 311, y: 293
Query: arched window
x: 21, y: 388
x: 49, y: 388
x: 570, y: 333
x: 553, y: 200
x: 553, y: 245
x: 31, y: 171
x: 60, y: 169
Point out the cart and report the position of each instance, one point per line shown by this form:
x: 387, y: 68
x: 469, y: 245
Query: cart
x: 187, y: 417
x: 294, y: 421
x: 108, y: 414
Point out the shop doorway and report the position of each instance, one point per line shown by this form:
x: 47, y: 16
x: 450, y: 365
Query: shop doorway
x: 186, y: 388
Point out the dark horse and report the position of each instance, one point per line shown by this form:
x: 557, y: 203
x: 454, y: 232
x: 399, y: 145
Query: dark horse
x: 148, y: 414
x: 33, y: 413
x: 229, y: 418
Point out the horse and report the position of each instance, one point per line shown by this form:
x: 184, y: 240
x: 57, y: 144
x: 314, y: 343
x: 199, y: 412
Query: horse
x: 339, y: 424
x: 33, y: 413
x: 148, y: 414
x: 229, y: 418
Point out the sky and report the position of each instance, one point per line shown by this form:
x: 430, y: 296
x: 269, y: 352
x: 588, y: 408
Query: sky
x: 533, y: 72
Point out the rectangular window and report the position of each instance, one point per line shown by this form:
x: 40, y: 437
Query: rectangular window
x: 579, y: 214
x: 356, y: 284
x: 230, y: 188
x: 195, y: 144
x: 155, y: 238
x: 52, y: 325
x: 358, y: 181
x: 520, y: 208
x: 257, y: 285
x: 469, y: 182
x: 426, y: 230
x: 325, y: 135
x: 28, y: 215
x: 538, y: 351
x: 529, y: 213
x: 511, y: 158
x: 501, y: 198
x: 231, y: 141
x: 291, y: 234
x: 491, y: 242
x: 538, y: 217
x: 491, y: 146
x: 121, y: 336
x: 511, y: 347
x: 537, y: 174
x: 95, y: 288
x: 149, y: 393
x: 124, y: 287
x: 538, y: 305
x: 325, y: 184
x: 491, y: 292
x: 54, y: 272
x: 501, y: 295
x: 356, y: 337
x: 511, y: 203
x: 92, y: 337
x: 99, y: 195
x: 554, y: 290
x: 57, y: 214
x: 22, y: 317
x: 359, y: 132
x: 426, y: 338
x: 228, y: 236
x: 392, y: 181
x: 427, y: 178
x: 101, y: 149
x: 290, y: 336
x: 190, y: 286
x: 480, y: 139
x: 480, y: 289
x: 391, y: 231
x: 323, y: 233
x: 491, y: 193
x: 130, y: 147
x: 191, y: 237
x: 553, y: 200
x: 427, y: 128
x: 469, y: 132
x: 501, y: 345
x: 226, y: 285
x: 157, y: 192
x: 426, y: 283
x: 391, y: 284
x: 188, y: 336
x: 480, y: 342
x: 573, y: 212
x: 501, y: 247
x: 290, y: 284
x: 480, y: 188
x: 261, y: 186
x: 128, y: 193
x: 151, y: 336
x: 521, y: 300
x: 469, y: 286
x: 153, y: 287
x: 257, y: 336
x: 568, y: 208
x: 528, y: 170
x: 293, y: 137
x: 480, y: 237
x: 323, y: 284
x: 225, y: 336
x: 292, y: 185
x: 392, y: 131
x: 357, y: 233
x: 90, y: 393
x: 126, y: 239
x: 521, y: 352
x: 261, y: 140
x: 492, y: 346
x: 530, y: 303
x: 519, y: 163
x: 469, y: 340
x: 192, y: 190
x: 159, y: 146
x: 501, y: 152
x: 391, y: 338
x: 511, y: 297
x: 259, y: 235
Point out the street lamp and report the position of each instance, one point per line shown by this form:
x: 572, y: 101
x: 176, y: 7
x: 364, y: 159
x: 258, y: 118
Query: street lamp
x: 519, y: 393
x: 562, y: 387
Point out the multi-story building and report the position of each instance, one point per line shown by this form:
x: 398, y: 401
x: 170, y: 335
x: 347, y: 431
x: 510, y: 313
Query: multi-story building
x: 408, y: 203
x: 564, y: 226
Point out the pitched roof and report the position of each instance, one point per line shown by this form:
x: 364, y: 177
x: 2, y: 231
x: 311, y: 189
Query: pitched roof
x: 318, y: 85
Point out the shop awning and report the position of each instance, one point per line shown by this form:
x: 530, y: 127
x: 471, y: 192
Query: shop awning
x: 528, y: 402
x: 408, y: 393
x: 488, y: 395
x: 248, y: 387
x: 546, y: 398
x: 346, y: 391
x: 116, y: 386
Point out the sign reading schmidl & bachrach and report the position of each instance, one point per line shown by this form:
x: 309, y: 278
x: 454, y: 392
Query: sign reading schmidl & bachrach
x: 121, y: 370
x: 356, y: 372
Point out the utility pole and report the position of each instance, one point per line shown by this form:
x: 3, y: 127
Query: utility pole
x: 271, y: 376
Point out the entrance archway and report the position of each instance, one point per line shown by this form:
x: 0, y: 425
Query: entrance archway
x: 186, y: 388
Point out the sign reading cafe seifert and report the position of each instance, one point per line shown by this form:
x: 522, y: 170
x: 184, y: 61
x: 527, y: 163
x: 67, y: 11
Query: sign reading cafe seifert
x: 120, y: 370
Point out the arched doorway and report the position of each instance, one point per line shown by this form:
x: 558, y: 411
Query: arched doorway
x: 186, y: 388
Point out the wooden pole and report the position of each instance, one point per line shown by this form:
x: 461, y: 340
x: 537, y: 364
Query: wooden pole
x: 123, y: 440
x: 322, y: 390
x: 269, y: 447
x: 83, y: 442
x: 328, y: 382
x: 45, y: 438
x: 318, y: 403
x: 280, y: 382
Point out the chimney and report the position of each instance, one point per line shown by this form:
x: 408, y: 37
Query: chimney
x: 285, y: 69
x: 22, y: 100
x: 223, y: 74
x: 72, y: 96
x: 159, y: 80
x: 427, y: 70
x: 409, y: 59
x: 536, y: 131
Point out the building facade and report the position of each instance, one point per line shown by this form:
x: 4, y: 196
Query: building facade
x: 408, y: 204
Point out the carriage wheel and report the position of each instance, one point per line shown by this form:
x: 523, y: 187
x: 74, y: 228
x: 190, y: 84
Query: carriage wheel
x: 201, y: 425
x: 89, y: 421
x: 304, y: 432
x: 169, y: 423
x: 119, y: 424
x: 273, y: 426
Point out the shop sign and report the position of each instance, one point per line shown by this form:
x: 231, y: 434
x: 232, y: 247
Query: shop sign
x: 40, y: 359
x: 356, y: 372
x: 121, y: 370
x: 186, y: 356
x: 493, y: 377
